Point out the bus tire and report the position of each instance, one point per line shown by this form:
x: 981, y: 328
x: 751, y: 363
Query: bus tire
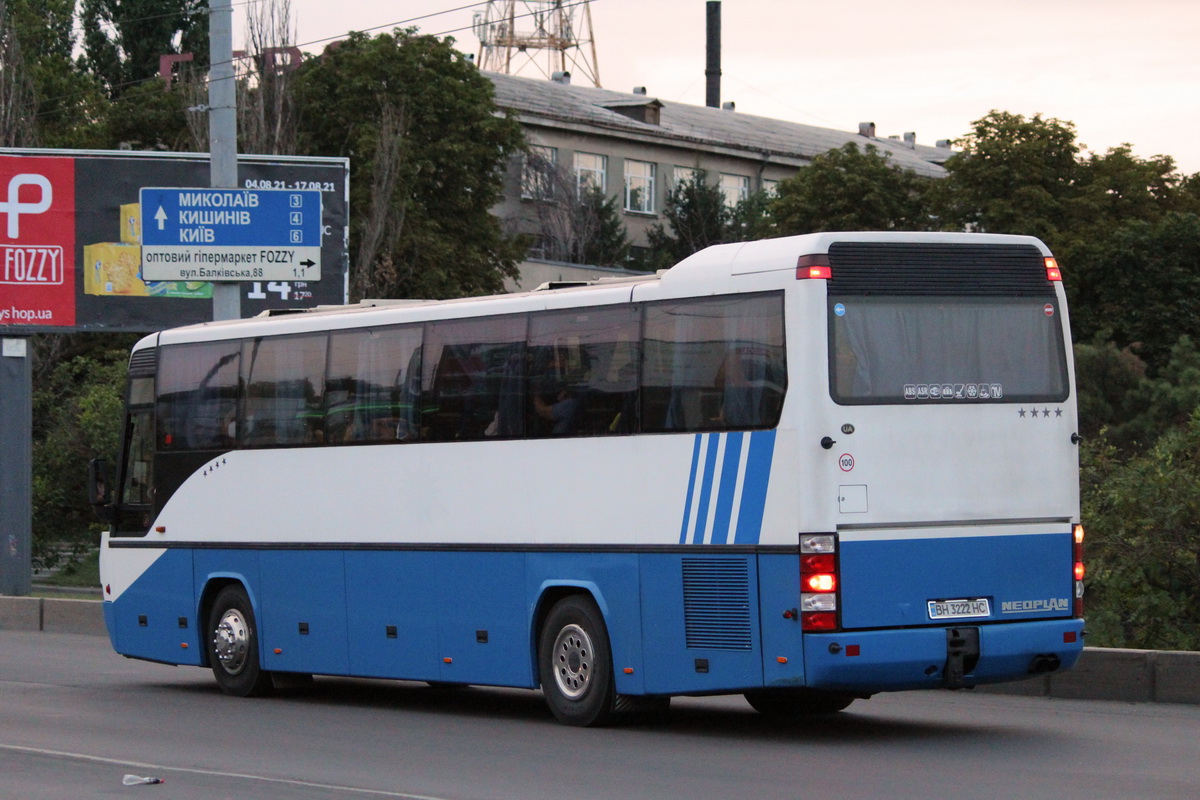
x: 233, y: 647
x: 799, y: 702
x: 575, y: 663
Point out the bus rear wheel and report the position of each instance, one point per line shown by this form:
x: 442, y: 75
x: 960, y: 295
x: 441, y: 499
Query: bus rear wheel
x: 233, y: 645
x: 800, y: 702
x: 575, y: 663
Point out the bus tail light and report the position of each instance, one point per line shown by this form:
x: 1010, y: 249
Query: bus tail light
x: 1078, y: 571
x: 1053, y: 273
x: 818, y: 583
x: 815, y: 265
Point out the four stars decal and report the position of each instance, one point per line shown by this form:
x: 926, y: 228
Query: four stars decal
x: 1033, y: 412
x: 217, y: 464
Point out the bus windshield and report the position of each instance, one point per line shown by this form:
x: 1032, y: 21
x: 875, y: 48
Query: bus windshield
x: 945, y: 350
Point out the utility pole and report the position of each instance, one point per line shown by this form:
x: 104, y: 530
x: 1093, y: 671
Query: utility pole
x: 222, y: 132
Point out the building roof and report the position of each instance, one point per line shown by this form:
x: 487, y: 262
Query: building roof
x: 564, y: 105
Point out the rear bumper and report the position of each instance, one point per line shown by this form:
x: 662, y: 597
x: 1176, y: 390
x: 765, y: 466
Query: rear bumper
x: 915, y: 658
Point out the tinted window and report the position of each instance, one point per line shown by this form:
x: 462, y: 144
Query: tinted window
x: 713, y: 364
x: 197, y: 395
x: 473, y: 379
x: 374, y: 383
x: 583, y: 372
x: 284, y: 378
x: 946, y: 350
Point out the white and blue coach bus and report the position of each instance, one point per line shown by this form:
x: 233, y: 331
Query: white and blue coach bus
x: 806, y: 470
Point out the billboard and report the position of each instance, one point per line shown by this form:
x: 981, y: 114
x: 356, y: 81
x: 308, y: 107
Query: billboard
x: 71, y: 239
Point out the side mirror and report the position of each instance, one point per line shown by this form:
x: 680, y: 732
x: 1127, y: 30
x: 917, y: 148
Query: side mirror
x: 99, y: 488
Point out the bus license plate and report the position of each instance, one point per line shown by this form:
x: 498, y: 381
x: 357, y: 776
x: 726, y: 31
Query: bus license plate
x: 959, y: 609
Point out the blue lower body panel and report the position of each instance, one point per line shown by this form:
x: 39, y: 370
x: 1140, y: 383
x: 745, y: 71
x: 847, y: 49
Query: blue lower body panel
x: 678, y: 623
x: 891, y: 660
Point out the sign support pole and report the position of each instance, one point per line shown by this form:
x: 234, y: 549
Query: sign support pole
x: 16, y: 470
x: 222, y: 132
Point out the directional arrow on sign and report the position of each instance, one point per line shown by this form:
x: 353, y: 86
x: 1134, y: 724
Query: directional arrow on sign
x: 308, y: 262
x: 161, y: 217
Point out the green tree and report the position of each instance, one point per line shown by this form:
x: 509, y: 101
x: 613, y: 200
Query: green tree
x: 696, y: 215
x: 1011, y: 175
x: 77, y: 411
x: 848, y: 189
x: 1143, y: 544
x: 577, y: 223
x: 148, y: 117
x: 1112, y: 391
x: 18, y: 104
x: 1137, y: 281
x: 603, y: 241
x: 427, y: 149
x: 64, y: 102
x: 753, y: 218
x: 1119, y: 186
x: 123, y: 39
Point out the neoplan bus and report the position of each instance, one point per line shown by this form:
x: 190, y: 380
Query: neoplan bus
x: 806, y: 470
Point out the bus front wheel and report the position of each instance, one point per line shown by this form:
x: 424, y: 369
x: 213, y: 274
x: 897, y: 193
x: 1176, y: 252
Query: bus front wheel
x: 575, y: 663
x: 781, y: 703
x: 233, y: 645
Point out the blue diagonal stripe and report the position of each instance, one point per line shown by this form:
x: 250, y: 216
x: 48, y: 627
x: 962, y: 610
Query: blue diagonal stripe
x: 754, y: 491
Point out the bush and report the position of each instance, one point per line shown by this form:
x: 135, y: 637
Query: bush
x: 1143, y: 544
x: 78, y: 405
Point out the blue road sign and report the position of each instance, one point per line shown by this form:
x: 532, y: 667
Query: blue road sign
x: 231, y: 234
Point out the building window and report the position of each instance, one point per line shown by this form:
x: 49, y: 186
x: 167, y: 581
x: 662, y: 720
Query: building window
x: 734, y: 188
x: 590, y: 171
x: 537, y: 176
x: 770, y: 187
x: 639, y: 186
x: 684, y: 174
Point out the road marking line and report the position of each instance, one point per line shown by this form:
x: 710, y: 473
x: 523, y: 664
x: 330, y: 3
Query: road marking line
x: 162, y: 768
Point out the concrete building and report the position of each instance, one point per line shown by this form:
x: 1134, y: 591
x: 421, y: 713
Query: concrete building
x: 636, y: 148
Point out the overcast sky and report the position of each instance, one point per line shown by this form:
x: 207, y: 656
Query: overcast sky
x: 1121, y: 70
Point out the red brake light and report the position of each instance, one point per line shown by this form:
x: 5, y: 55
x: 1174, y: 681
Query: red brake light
x: 813, y: 266
x: 1053, y: 273
x: 820, y: 582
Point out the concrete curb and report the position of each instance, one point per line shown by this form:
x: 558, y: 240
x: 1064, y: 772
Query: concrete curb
x: 52, y: 615
x: 1136, y: 676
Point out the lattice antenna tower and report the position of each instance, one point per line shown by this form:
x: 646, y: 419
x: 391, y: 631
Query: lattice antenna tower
x: 543, y: 36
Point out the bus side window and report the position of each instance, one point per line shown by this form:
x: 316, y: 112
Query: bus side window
x: 473, y: 375
x: 582, y: 371
x: 713, y: 364
x: 198, y: 395
x: 373, y: 385
x: 284, y: 378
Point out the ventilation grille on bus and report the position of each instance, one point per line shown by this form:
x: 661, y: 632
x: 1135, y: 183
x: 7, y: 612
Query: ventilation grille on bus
x: 142, y: 362
x: 716, y: 603
x: 1011, y: 270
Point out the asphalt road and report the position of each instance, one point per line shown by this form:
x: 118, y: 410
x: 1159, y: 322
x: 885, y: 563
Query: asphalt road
x: 75, y: 718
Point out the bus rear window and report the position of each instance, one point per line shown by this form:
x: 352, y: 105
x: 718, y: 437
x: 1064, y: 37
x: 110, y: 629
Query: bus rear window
x: 945, y: 350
